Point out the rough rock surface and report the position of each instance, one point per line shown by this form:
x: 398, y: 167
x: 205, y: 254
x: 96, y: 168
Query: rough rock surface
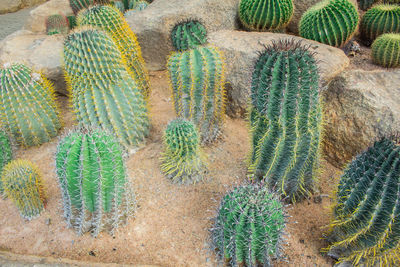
x: 8, y: 6
x: 241, y: 50
x: 360, y: 106
x: 153, y: 25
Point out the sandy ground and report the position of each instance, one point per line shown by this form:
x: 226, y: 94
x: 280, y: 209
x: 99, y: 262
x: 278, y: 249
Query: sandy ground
x: 12, y: 22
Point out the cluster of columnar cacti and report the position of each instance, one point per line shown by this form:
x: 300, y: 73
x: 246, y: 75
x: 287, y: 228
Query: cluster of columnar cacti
x: 28, y: 109
x: 22, y: 184
x: 78, y: 5
x: 113, y: 22
x: 57, y: 24
x: 95, y: 189
x: 365, y: 4
x: 188, y: 35
x: 265, y: 15
x: 249, y: 227
x: 331, y: 22
x: 366, y: 224
x: 386, y: 50
x: 103, y: 93
x: 182, y: 160
x: 6, y: 154
x: 285, y: 119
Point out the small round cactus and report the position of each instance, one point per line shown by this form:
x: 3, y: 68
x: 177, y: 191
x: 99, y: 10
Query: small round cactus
x: 57, y: 24
x: 187, y: 35
x: 6, y: 154
x: 386, y: 50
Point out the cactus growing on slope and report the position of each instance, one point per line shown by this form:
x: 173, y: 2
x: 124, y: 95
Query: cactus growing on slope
x: 386, y: 50
x: 78, y: 5
x: 188, y: 34
x: 6, y: 154
x: 95, y: 189
x: 57, y: 24
x: 29, y: 111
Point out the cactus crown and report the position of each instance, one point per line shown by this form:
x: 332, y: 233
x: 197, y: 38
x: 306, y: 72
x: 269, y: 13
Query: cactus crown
x: 386, y: 50
x: 188, y: 34
x: 6, y: 154
x: 181, y: 138
x: 57, y: 23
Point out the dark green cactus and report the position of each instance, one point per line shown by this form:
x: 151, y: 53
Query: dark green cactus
x: 392, y: 2
x: 103, y: 93
x: 365, y: 4
x: 6, y: 154
x: 78, y: 5
x: 182, y: 160
x: 188, y: 34
x: 331, y: 22
x: 386, y: 50
x: 286, y: 119
x: 71, y: 21
x: 366, y: 223
x: 57, y: 24
x: 265, y: 15
x: 249, y: 227
x: 23, y: 185
x: 28, y: 108
x: 378, y: 20
x: 95, y: 188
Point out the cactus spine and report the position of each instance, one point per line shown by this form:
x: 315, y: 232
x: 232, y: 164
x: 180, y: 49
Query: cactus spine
x: 188, y: 35
x: 78, y: 5
x: 386, y: 50
x: 92, y: 175
x: 265, y: 15
x: 57, y: 24
x: 22, y: 184
x: 6, y: 154
x: 249, y: 227
x: 331, y: 22
x: 29, y: 110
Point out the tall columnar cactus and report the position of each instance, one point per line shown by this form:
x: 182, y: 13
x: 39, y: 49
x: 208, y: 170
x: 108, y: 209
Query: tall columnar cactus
x: 112, y: 21
x: 6, y: 154
x: 103, y: 93
x: 23, y: 185
x: 28, y: 108
x: 249, y: 227
x: 57, y: 24
x: 331, y: 22
x: 78, y: 5
x: 95, y: 189
x: 286, y: 118
x: 366, y: 224
x: 265, y: 15
x: 380, y: 19
x: 188, y: 34
x: 386, y: 50
x: 182, y: 160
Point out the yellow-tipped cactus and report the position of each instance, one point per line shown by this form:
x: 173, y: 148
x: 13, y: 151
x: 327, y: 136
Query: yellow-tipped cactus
x: 386, y: 50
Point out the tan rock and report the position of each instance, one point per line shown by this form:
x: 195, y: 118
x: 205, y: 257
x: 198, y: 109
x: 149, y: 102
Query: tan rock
x: 8, y: 6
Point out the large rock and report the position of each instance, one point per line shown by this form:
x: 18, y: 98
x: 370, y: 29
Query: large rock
x: 360, y: 106
x: 153, y: 25
x: 39, y: 51
x: 241, y: 50
x: 8, y: 6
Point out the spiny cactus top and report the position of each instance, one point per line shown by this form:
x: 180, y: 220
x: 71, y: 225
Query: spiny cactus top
x: 29, y: 110
x: 78, y: 5
x: 5, y: 154
x: 95, y: 189
x: 386, y: 50
x: 265, y: 15
x: 331, y: 22
x: 249, y: 227
x: 23, y: 185
x: 187, y: 35
x: 57, y: 24
x: 366, y: 223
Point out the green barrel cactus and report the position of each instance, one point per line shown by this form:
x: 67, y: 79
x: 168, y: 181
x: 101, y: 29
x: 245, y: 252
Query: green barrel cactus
x: 265, y: 15
x: 78, y: 5
x: 112, y: 21
x: 286, y: 119
x: 57, y: 24
x: 331, y: 22
x: 182, y: 160
x: 29, y: 112
x: 365, y: 4
x: 103, y: 93
x: 386, y: 50
x: 188, y: 35
x: 95, y: 188
x: 366, y: 215
x: 249, y: 227
x: 380, y: 19
x: 6, y: 154
x: 23, y: 185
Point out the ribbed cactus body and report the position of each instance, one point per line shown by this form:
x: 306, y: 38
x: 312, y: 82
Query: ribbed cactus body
x: 380, y: 19
x: 23, y: 185
x: 6, y: 154
x: 182, y: 160
x: 57, y: 24
x: 28, y: 110
x: 71, y: 21
x: 197, y: 81
x: 112, y: 21
x: 285, y: 119
x: 78, y: 5
x: 265, y: 15
x: 187, y: 35
x: 386, y: 50
x: 331, y: 22
x: 365, y: 4
x: 92, y: 175
x: 249, y: 226
x: 366, y: 225
x: 103, y: 93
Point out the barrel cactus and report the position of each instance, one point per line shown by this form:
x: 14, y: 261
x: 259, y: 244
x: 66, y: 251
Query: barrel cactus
x: 249, y: 227
x: 286, y: 118
x: 78, y: 5
x: 265, y: 15
x: 112, y: 21
x: 23, y: 185
x: 95, y: 189
x: 57, y: 24
x: 29, y: 111
x: 386, y: 50
x: 188, y: 34
x: 365, y: 4
x: 6, y: 154
x: 331, y: 22
x: 103, y: 93
x: 366, y: 215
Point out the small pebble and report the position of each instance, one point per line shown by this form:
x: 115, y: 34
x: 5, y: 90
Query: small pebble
x: 91, y: 253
